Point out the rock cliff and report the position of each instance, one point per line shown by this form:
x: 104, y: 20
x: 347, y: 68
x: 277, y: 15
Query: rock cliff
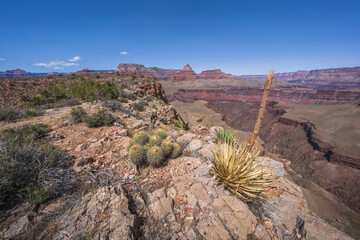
x: 186, y: 74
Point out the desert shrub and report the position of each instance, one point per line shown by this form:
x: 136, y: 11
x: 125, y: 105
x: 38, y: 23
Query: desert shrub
x: 125, y: 95
x: 84, y: 89
x: 137, y: 154
x: 141, y: 138
x: 27, y: 132
x: 78, y: 115
x: 138, y: 107
x: 236, y: 168
x: 90, y: 90
x: 61, y: 104
x: 115, y: 106
x: 100, y: 118
x: 177, y: 123
x: 155, y: 140
x: 161, y: 133
x: 177, y: 150
x: 224, y: 136
x: 155, y: 156
x: 10, y: 115
x: 164, y: 121
x: 32, y: 112
x: 167, y: 147
x: 30, y: 168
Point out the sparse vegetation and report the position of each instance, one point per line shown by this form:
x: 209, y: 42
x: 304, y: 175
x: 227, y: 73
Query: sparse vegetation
x: 224, y: 136
x: 10, y: 115
x: 84, y: 89
x: 29, y: 167
x: 100, y: 118
x: 78, y: 115
x: 138, y: 106
x: 32, y: 112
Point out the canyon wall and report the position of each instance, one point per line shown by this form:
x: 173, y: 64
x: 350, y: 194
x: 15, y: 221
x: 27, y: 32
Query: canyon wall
x: 332, y: 78
x: 254, y: 94
x: 172, y: 75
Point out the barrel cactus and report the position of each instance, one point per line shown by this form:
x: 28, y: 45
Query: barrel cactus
x: 137, y: 154
x: 167, y: 147
x: 141, y: 138
x: 161, y: 133
x: 155, y: 156
x: 147, y: 146
x: 155, y: 140
x: 129, y: 145
x: 177, y: 150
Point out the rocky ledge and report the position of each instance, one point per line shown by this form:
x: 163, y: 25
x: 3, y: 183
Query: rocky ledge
x: 178, y: 201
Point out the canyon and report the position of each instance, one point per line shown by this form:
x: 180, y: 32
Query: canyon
x: 332, y: 78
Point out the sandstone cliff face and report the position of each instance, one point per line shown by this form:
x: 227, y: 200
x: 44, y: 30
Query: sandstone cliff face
x: 84, y: 71
x: 254, y: 94
x: 17, y: 73
x: 332, y: 78
x: 186, y: 74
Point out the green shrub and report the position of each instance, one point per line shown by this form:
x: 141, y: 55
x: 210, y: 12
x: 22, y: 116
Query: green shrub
x: 27, y: 132
x: 137, y: 154
x: 224, y: 136
x: 177, y: 150
x: 138, y: 106
x: 78, y: 115
x: 164, y: 121
x: 29, y: 167
x: 167, y: 147
x: 141, y: 138
x: 31, y: 112
x: 155, y: 140
x: 10, y: 115
x: 155, y: 156
x: 177, y: 123
x: 100, y: 118
x: 83, y: 89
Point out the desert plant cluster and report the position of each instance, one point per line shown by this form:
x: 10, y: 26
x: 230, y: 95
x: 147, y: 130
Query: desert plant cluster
x: 154, y: 150
x: 84, y: 89
x: 236, y: 167
x: 30, y: 167
x: 100, y: 118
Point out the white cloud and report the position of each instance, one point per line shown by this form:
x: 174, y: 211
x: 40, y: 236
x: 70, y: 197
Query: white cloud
x: 74, y: 59
x: 56, y: 64
x: 2, y: 59
x: 123, y: 53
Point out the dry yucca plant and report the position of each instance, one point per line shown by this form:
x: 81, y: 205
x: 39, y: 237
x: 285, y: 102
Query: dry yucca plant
x: 235, y: 166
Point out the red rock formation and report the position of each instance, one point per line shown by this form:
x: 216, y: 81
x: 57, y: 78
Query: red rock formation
x: 186, y: 74
x: 85, y: 71
x: 17, y: 73
x: 332, y: 78
x: 213, y: 74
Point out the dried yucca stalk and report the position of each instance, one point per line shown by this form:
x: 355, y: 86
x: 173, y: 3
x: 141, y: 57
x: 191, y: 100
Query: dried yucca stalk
x: 235, y: 166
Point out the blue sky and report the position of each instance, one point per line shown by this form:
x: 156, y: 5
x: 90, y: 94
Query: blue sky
x: 239, y: 37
